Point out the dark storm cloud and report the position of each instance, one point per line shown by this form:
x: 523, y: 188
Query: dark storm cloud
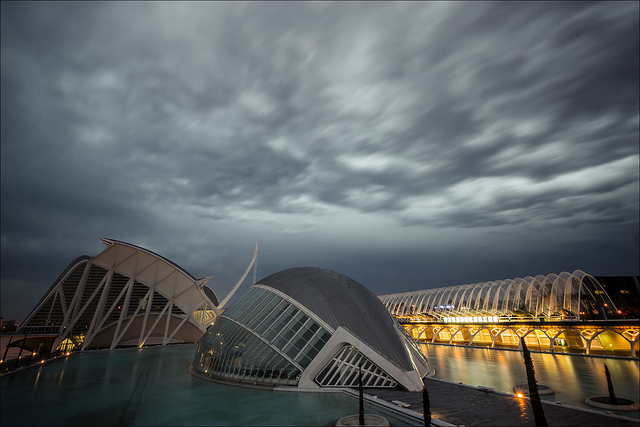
x: 197, y: 129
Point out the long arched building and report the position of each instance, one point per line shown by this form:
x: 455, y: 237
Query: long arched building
x: 124, y: 296
x: 564, y: 295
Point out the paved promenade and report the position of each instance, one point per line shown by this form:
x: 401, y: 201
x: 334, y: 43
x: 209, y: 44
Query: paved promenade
x: 469, y: 406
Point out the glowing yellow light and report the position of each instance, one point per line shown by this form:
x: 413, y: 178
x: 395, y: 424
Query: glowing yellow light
x: 519, y: 394
x: 34, y: 353
x: 42, y: 361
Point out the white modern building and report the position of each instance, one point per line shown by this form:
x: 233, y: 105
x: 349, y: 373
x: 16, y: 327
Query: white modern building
x: 309, y: 328
x: 564, y: 295
x: 124, y: 296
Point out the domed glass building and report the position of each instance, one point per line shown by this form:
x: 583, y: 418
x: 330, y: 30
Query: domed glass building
x: 310, y: 328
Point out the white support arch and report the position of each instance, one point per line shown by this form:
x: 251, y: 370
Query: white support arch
x: 235, y: 288
x: 554, y: 294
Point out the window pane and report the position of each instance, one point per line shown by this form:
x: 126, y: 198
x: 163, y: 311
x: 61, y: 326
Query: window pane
x: 291, y: 352
x: 307, y: 334
x: 288, y: 334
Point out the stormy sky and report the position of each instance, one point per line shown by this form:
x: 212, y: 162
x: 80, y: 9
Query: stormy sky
x: 407, y: 145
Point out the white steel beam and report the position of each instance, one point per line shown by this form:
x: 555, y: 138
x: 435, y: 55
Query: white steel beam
x: 146, y: 315
x: 131, y: 319
x: 123, y: 313
x: 68, y: 329
x: 77, y: 297
x: 146, y: 337
x: 99, y: 310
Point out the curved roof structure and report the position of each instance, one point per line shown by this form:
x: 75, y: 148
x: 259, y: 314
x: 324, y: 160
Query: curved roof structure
x: 311, y: 328
x: 341, y: 301
x: 124, y: 296
x: 109, y: 242
x: 565, y: 294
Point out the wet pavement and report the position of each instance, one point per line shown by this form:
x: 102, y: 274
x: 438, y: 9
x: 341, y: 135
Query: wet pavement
x: 469, y: 406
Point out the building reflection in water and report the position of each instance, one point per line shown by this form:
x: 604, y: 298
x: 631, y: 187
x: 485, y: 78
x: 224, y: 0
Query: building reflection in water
x: 573, y: 377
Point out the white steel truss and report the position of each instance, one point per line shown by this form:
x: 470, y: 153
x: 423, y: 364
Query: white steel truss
x: 554, y: 294
x: 125, y: 295
x: 342, y: 371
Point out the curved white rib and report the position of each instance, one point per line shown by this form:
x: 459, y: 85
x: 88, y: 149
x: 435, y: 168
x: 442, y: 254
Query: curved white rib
x: 244, y: 276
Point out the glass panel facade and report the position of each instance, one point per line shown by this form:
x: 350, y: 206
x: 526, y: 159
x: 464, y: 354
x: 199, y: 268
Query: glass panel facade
x: 281, y: 323
x: 229, y: 350
x: 49, y: 318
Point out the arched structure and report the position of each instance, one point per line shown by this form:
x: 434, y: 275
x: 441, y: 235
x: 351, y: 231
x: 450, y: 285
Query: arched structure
x: 310, y: 328
x: 124, y: 296
x: 564, y: 295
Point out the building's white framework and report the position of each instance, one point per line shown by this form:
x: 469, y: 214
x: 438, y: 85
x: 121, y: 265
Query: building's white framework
x: 310, y: 328
x: 124, y: 296
x: 565, y: 294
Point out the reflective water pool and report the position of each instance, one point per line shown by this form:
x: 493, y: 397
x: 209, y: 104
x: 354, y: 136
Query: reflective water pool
x: 573, y: 377
x: 152, y: 387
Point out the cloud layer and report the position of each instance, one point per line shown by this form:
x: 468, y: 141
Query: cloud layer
x: 407, y: 145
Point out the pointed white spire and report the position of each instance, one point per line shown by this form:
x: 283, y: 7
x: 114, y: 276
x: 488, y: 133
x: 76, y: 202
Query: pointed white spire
x: 244, y: 276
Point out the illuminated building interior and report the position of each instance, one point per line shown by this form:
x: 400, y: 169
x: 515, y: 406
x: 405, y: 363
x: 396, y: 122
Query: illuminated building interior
x: 561, y: 296
x: 557, y: 312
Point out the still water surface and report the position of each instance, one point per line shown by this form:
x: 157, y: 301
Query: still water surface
x: 573, y: 377
x: 151, y: 386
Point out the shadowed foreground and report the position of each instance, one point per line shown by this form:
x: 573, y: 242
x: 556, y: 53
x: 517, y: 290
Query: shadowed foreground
x: 469, y: 406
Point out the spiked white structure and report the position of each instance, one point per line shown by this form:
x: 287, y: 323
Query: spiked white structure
x: 124, y: 296
x: 253, y: 263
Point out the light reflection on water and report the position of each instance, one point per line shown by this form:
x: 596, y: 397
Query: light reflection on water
x: 153, y: 386
x: 573, y: 377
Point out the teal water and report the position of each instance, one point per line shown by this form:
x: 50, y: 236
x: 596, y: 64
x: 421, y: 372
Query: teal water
x: 573, y: 377
x: 151, y: 386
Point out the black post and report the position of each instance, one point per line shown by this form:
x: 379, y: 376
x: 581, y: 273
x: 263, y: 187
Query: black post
x: 20, y: 353
x: 426, y: 406
x: 361, y: 396
x: 534, y: 396
x: 45, y: 354
x: 6, y: 349
x: 30, y: 357
x: 612, y: 396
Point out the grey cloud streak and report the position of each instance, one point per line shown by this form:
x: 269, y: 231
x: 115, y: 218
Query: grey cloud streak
x: 343, y: 132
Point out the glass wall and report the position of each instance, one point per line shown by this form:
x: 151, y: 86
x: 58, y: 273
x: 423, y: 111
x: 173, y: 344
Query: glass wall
x: 262, y: 338
x: 230, y: 351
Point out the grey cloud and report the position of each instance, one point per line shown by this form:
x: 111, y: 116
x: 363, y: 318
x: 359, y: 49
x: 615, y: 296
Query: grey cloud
x: 149, y: 122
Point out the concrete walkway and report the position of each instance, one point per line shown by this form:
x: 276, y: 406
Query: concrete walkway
x: 469, y: 406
